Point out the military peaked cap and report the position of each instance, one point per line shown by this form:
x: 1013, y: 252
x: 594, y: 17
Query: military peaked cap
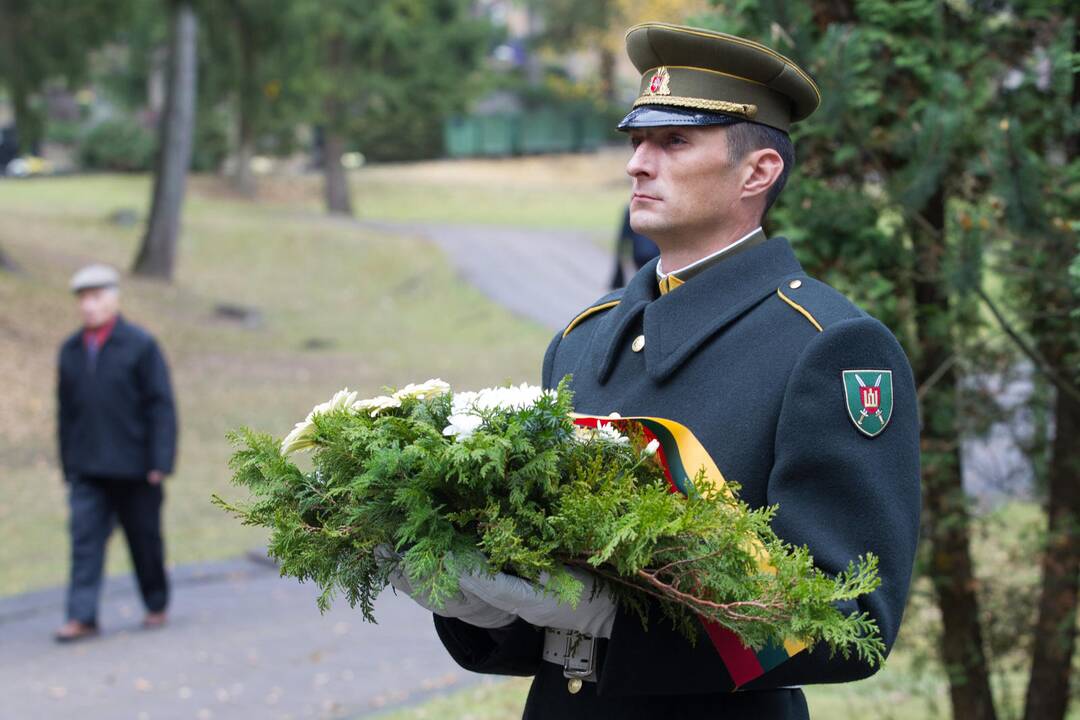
x: 691, y: 76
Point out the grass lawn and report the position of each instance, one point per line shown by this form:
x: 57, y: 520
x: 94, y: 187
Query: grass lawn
x: 339, y: 306
x: 568, y: 192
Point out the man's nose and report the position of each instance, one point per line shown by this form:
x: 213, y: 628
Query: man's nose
x: 642, y: 161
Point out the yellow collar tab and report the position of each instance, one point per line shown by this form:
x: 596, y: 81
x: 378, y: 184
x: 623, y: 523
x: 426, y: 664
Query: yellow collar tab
x: 672, y: 280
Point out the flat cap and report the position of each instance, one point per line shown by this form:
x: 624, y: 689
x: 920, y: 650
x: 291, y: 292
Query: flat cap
x: 715, y: 75
x: 94, y: 276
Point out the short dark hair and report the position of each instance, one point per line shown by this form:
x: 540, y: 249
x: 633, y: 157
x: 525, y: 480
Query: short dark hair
x: 746, y: 137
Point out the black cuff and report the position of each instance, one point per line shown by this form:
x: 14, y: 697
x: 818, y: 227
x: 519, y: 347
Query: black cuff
x: 511, y: 650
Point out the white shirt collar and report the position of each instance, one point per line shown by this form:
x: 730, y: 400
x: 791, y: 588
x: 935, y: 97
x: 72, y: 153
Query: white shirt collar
x: 660, y: 274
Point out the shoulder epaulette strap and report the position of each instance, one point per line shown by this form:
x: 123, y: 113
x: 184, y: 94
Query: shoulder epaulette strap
x: 605, y: 303
x: 820, y: 304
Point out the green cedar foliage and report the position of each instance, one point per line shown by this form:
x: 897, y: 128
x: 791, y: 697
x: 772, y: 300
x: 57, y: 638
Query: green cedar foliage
x: 528, y: 494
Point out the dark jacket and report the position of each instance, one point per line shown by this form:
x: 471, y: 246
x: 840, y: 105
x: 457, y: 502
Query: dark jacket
x: 118, y: 418
x: 750, y: 355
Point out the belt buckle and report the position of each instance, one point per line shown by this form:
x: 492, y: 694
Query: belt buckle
x: 577, y: 675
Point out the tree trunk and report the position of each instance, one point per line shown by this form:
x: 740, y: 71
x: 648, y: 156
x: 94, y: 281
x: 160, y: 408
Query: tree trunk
x: 608, y: 83
x: 338, y: 201
x: 28, y: 125
x: 1055, y: 629
x: 157, y: 254
x: 1048, y: 690
x: 247, y: 104
x: 947, y: 524
x: 244, y: 178
x: 336, y: 184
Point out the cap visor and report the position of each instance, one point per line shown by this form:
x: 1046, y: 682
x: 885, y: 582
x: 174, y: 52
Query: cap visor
x: 663, y: 115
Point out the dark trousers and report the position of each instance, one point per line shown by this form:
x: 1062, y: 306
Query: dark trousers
x: 96, y: 503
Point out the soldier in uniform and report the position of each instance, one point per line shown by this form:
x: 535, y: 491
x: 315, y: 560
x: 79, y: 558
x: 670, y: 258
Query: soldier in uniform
x: 797, y: 394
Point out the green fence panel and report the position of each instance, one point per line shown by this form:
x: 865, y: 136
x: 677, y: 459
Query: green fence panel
x: 461, y: 137
x: 498, y: 135
x: 592, y: 132
x: 546, y: 131
x: 542, y: 131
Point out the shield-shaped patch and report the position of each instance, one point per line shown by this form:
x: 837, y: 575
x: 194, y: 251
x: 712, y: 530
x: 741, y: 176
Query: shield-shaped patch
x: 869, y: 396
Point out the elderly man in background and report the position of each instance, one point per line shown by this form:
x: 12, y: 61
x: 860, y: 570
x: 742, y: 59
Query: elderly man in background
x: 117, y: 433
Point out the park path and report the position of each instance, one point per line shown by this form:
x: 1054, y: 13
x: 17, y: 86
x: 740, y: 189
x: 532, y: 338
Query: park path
x: 241, y: 643
x: 547, y: 276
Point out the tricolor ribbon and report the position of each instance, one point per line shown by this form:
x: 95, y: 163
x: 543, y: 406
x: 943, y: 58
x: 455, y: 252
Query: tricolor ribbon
x: 682, y: 458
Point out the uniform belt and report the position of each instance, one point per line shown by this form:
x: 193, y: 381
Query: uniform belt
x: 574, y: 652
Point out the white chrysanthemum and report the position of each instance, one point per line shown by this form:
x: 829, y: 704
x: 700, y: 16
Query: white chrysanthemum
x: 608, y: 433
x: 584, y: 434
x: 302, y: 436
x: 467, y: 408
x: 463, y: 425
x: 463, y: 402
x: 652, y: 447
x: 424, y: 390
x: 375, y: 405
x: 605, y: 432
x: 515, y: 397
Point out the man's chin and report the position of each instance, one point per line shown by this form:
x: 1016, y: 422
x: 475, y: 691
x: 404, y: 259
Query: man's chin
x: 647, y: 224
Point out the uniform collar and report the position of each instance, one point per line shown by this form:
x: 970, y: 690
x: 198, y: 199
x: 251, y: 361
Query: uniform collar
x: 676, y: 324
x: 672, y: 280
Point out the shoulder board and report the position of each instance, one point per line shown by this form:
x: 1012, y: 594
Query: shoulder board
x: 605, y: 303
x: 818, y: 303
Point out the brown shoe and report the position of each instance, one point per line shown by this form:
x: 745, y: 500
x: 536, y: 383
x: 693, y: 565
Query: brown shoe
x: 73, y: 630
x: 154, y: 620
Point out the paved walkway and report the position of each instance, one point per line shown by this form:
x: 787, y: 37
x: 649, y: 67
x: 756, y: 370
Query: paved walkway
x: 242, y: 643
x: 547, y: 276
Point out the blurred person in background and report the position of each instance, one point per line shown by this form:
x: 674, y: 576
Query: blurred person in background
x: 630, y: 242
x: 117, y: 436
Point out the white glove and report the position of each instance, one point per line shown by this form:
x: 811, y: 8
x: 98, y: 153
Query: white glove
x: 594, y: 615
x: 463, y: 605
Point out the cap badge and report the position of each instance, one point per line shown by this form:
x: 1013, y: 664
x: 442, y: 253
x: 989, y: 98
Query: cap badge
x: 659, y: 83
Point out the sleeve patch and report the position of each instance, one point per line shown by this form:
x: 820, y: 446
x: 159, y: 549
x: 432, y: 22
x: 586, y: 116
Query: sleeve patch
x: 869, y: 398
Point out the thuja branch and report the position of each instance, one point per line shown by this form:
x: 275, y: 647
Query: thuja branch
x: 518, y: 486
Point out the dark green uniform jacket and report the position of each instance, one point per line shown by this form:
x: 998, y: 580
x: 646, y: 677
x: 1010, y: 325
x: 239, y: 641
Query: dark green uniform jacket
x: 751, y: 355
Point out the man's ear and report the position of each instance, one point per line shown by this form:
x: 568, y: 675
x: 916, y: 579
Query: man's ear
x: 765, y: 168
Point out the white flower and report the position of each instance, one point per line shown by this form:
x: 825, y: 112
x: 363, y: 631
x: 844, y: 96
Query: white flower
x: 462, y: 402
x: 608, y: 433
x: 584, y: 434
x: 377, y: 404
x: 519, y: 397
x: 604, y: 432
x: 462, y: 426
x: 652, y: 447
x: 423, y: 390
x: 468, y: 408
x: 302, y: 436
